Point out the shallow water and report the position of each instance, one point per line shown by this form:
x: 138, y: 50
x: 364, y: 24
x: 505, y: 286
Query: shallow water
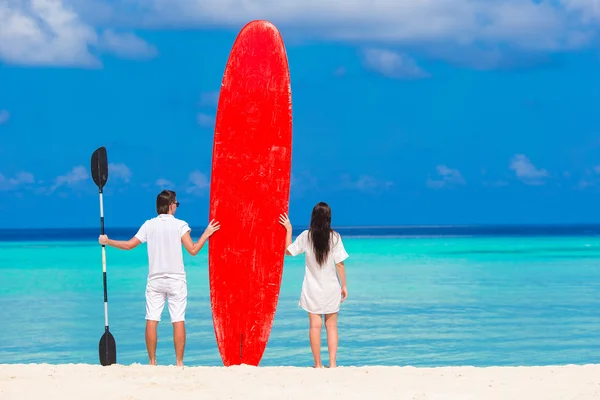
x: 433, y: 301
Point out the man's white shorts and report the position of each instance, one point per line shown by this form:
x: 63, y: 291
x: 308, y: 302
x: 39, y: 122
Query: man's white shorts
x: 162, y: 289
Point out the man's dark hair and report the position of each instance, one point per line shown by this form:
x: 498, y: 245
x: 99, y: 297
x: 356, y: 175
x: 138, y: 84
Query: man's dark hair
x: 164, y: 200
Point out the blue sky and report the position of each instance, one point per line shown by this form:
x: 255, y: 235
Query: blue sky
x: 429, y: 112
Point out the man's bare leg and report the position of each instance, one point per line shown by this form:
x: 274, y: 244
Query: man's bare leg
x: 179, y: 341
x: 151, y: 339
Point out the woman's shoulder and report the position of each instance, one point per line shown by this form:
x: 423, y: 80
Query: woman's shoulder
x: 336, y: 236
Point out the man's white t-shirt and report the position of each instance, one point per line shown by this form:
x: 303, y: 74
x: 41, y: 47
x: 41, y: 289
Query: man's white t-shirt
x: 165, y: 256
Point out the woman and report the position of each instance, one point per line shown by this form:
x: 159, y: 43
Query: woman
x: 321, y: 289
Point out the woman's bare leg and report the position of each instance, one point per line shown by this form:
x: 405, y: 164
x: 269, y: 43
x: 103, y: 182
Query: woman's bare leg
x: 316, y: 324
x: 332, y: 337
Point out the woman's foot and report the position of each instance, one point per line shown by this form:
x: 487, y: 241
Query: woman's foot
x: 152, y: 362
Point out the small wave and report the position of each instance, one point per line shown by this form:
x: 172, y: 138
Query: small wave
x: 406, y: 236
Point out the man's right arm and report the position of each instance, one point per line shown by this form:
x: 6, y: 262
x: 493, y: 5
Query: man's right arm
x: 120, y: 244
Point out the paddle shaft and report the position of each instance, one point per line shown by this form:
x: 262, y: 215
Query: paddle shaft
x: 104, y: 263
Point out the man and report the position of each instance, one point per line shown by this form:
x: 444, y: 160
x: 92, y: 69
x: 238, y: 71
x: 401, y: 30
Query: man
x: 166, y: 275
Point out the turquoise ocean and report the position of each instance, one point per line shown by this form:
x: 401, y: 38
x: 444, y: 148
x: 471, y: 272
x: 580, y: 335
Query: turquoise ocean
x: 421, y: 296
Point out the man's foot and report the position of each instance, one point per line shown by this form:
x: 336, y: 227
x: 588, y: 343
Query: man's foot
x: 180, y: 363
x: 152, y: 362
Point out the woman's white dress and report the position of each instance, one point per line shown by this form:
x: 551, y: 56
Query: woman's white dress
x: 321, y: 289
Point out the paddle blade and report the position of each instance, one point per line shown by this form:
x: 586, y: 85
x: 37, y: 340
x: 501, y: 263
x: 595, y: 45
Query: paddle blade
x: 108, y: 349
x: 99, y: 167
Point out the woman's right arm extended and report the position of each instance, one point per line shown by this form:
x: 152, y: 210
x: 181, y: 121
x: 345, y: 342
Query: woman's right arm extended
x: 342, y: 273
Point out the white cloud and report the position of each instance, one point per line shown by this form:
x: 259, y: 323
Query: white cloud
x: 209, y: 99
x: 498, y: 183
x: 478, y: 32
x: 526, y: 172
x: 591, y: 178
x: 49, y: 32
x: 119, y: 171
x: 126, y: 45
x: 436, y: 26
x: 302, y: 180
x: 366, y: 183
x: 301, y: 183
x: 164, y: 184
x: 74, y: 176
x: 588, y: 9
x: 44, y: 32
x: 447, y: 177
x: 205, y: 120
x: 198, y: 183
x: 341, y: 71
x: 20, y: 179
x: 392, y: 64
x: 4, y: 116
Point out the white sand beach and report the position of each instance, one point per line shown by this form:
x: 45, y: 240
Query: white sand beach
x: 90, y: 382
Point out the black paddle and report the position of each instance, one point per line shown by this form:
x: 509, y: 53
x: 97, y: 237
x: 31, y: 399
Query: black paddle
x: 108, y: 348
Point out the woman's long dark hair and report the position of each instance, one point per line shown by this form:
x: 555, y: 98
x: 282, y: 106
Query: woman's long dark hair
x: 320, y: 231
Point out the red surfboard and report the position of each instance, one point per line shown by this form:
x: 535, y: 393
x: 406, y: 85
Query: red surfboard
x: 249, y: 189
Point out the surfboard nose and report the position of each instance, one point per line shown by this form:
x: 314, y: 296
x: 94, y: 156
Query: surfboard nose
x: 261, y: 24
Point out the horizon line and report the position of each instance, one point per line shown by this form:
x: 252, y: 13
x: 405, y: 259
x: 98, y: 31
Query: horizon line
x: 416, y: 226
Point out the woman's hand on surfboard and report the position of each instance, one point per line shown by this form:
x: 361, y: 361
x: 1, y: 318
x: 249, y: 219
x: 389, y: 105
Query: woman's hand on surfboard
x: 212, y: 227
x: 344, y: 293
x: 285, y: 221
